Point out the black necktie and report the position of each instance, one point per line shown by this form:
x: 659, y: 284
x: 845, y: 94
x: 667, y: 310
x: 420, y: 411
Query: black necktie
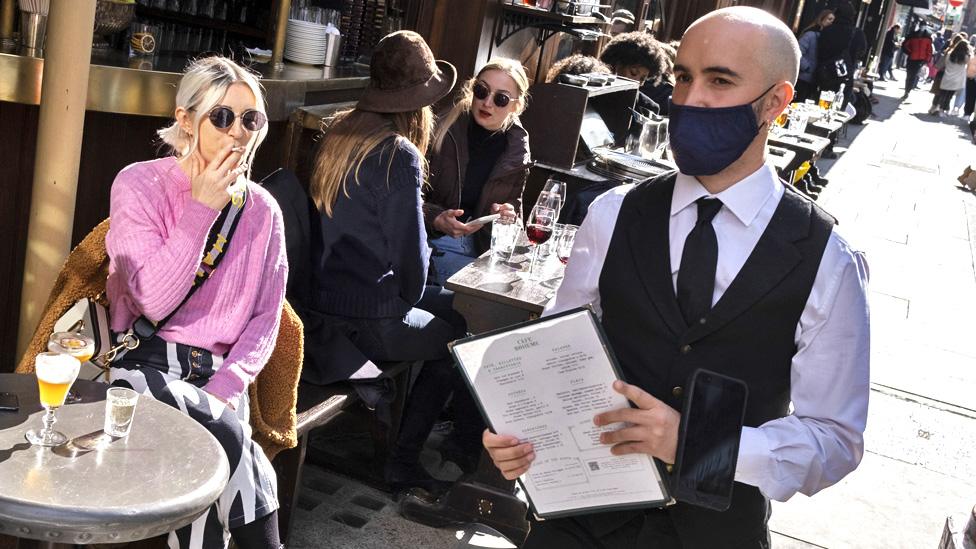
x: 696, y: 275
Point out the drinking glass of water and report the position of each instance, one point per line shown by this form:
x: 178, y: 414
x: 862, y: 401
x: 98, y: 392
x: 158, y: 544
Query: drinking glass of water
x: 120, y: 408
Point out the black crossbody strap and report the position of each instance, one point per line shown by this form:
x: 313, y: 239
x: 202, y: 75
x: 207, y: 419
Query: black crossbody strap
x: 217, y: 242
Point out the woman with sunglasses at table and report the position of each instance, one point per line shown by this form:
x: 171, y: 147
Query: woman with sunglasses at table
x: 478, y: 165
x: 206, y: 354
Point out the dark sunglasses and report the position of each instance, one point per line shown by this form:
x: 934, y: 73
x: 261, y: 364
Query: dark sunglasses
x: 482, y: 92
x: 223, y: 117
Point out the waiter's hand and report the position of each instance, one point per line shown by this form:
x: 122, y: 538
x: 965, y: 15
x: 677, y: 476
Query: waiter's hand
x: 507, y: 211
x: 511, y: 458
x: 447, y: 223
x: 653, y: 425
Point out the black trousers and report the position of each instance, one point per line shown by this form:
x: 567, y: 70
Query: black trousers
x: 970, y: 96
x: 423, y: 334
x: 652, y: 529
x: 884, y: 66
x: 942, y: 99
x: 914, y: 68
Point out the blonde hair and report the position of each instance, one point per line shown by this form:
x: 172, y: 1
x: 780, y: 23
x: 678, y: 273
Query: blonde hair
x: 513, y: 69
x: 205, y: 82
x: 350, y: 136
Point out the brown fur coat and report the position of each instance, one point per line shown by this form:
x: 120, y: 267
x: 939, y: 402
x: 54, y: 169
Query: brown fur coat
x: 273, y: 394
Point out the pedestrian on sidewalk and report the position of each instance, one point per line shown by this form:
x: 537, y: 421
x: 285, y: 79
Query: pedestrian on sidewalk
x: 888, y: 48
x: 970, y: 104
x: 842, y: 43
x: 918, y: 47
x: 954, y: 76
x: 657, y: 261
x: 806, y: 85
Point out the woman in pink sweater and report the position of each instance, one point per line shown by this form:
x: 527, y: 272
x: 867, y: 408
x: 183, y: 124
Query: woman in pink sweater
x: 208, y: 348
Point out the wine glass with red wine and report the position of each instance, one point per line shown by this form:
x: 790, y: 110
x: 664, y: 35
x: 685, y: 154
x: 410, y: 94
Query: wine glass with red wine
x: 538, y: 229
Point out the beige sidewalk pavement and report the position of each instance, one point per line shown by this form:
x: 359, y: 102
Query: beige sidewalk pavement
x: 895, y: 194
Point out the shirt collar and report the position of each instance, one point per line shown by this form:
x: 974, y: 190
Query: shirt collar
x: 744, y: 199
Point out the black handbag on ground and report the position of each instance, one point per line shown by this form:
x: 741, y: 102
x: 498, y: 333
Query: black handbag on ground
x: 467, y: 502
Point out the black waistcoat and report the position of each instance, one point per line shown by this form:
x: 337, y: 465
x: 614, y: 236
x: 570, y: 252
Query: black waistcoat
x: 749, y: 334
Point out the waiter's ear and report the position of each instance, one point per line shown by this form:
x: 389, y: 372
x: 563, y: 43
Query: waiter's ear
x: 776, y: 101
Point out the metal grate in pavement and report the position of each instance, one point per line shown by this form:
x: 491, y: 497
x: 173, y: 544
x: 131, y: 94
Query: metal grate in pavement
x: 350, y: 519
x: 910, y: 163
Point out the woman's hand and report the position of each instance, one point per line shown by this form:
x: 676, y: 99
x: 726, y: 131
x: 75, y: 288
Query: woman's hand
x: 224, y: 401
x: 510, y: 457
x: 447, y: 223
x: 507, y: 211
x: 209, y: 182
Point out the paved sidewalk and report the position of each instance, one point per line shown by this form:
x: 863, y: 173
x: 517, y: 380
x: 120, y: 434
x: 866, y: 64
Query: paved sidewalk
x: 895, y: 194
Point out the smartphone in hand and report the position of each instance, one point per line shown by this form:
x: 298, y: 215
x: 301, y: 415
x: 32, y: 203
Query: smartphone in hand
x: 708, y: 440
x: 482, y: 220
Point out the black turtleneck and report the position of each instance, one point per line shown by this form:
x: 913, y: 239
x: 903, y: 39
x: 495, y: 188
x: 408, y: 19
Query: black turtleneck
x: 484, y: 149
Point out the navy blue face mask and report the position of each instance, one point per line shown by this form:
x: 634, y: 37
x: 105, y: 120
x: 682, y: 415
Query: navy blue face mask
x: 707, y: 140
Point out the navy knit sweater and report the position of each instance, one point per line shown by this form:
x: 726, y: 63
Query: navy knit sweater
x: 374, y: 255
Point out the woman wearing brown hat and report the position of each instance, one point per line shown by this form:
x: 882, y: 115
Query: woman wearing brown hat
x: 373, y: 266
x: 478, y: 165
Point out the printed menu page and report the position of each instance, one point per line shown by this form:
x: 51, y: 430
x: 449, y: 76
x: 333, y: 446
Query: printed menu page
x: 543, y: 382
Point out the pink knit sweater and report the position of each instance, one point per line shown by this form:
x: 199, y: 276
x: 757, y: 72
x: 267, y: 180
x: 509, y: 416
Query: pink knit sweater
x: 155, y: 245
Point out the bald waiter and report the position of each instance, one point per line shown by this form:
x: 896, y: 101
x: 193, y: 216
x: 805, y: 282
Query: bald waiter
x: 721, y: 266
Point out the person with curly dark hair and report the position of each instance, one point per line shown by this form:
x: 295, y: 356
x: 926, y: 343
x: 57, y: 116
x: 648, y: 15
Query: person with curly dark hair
x: 577, y: 64
x: 638, y: 56
x: 635, y: 55
x: 660, y: 90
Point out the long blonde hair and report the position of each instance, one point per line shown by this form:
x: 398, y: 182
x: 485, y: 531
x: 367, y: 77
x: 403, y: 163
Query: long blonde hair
x: 510, y: 67
x: 205, y: 82
x: 350, y: 136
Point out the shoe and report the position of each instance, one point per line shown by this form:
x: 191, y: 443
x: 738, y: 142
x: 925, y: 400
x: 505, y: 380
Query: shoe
x: 402, y: 478
x: 820, y: 181
x: 829, y: 155
x: 804, y: 188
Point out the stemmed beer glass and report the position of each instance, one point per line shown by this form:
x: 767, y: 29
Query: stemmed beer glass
x: 75, y: 344
x: 56, y: 372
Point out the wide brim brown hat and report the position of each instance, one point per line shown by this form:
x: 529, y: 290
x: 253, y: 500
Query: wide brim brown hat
x: 404, y: 76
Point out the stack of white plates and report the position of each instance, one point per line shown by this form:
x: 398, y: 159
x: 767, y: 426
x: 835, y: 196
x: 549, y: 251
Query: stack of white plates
x: 305, y: 42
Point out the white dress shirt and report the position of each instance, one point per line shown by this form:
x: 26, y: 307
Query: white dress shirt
x: 822, y: 441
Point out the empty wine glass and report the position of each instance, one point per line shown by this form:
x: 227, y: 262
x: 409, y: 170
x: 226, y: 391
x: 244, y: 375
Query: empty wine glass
x: 565, y: 234
x: 538, y: 229
x: 554, y: 188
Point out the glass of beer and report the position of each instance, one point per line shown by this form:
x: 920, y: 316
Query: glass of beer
x: 120, y: 407
x: 75, y: 344
x: 55, y: 374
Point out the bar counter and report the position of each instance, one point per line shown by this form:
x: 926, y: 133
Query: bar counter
x: 146, y: 86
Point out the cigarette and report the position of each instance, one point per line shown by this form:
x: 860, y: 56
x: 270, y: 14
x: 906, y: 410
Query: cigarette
x: 238, y: 149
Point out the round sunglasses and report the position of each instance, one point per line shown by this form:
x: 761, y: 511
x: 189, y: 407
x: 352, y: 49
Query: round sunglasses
x: 482, y: 92
x: 223, y: 117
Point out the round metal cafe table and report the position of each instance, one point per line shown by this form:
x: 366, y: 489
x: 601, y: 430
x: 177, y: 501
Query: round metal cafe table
x: 161, y: 477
